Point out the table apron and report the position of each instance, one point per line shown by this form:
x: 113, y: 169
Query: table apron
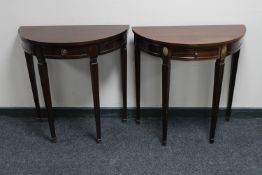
x: 187, y: 53
x: 74, y: 51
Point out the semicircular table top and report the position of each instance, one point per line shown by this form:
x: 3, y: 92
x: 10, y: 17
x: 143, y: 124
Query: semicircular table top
x: 192, y: 35
x: 70, y: 34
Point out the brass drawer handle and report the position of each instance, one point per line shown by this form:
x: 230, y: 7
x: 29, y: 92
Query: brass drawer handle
x: 196, y: 54
x: 64, y: 52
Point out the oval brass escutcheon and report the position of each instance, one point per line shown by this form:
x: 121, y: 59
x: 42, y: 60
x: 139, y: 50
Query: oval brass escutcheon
x: 165, y: 51
x: 64, y: 52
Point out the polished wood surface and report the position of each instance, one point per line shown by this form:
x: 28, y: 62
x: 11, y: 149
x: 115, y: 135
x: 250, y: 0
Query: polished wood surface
x: 189, y: 43
x: 63, y: 35
x: 192, y: 35
x: 72, y: 42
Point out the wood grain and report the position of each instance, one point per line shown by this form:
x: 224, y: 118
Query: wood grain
x: 192, y: 35
x: 70, y: 34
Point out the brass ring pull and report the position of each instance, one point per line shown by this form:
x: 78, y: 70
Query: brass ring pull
x: 196, y: 54
x: 64, y: 52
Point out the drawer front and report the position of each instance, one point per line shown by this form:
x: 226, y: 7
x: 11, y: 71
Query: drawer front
x: 65, y: 52
x: 82, y: 51
x: 195, y: 54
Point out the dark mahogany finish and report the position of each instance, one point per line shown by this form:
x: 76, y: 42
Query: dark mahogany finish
x: 190, y: 43
x: 72, y: 42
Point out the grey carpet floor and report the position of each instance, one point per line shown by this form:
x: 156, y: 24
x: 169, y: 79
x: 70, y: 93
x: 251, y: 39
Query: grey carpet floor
x: 128, y: 148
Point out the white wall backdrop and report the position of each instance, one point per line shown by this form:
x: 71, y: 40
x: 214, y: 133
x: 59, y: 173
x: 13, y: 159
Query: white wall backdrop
x: 191, y: 82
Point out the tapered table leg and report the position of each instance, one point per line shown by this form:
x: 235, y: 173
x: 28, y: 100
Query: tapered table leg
x: 165, y: 93
x: 137, y: 72
x: 233, y: 72
x: 219, y: 71
x: 95, y: 87
x: 43, y: 72
x: 31, y: 72
x: 124, y: 81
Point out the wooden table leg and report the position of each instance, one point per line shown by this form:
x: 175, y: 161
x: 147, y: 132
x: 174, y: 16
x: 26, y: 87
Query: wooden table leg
x: 166, y: 66
x: 219, y: 71
x: 124, y: 81
x: 95, y: 87
x: 233, y: 72
x: 43, y: 72
x: 137, y: 71
x: 31, y: 72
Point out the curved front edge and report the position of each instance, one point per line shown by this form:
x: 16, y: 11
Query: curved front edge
x: 149, y: 47
x: 234, y: 47
x: 113, y: 44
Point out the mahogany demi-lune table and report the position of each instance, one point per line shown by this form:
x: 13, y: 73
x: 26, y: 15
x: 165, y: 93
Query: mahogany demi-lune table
x: 72, y: 42
x: 190, y: 43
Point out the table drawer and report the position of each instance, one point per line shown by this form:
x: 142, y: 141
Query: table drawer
x: 191, y: 54
x: 65, y: 52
